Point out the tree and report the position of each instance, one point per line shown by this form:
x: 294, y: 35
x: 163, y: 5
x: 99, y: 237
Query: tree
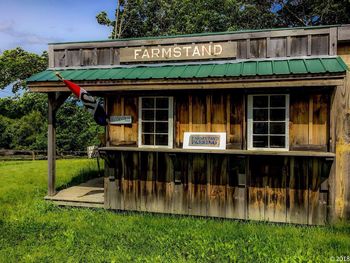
x: 16, y: 65
x: 23, y: 119
x: 312, y: 12
x: 168, y: 17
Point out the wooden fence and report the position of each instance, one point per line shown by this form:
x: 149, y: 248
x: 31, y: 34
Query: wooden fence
x: 6, y: 154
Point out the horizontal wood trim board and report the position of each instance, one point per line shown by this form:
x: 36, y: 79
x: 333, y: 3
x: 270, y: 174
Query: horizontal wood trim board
x: 194, y: 39
x: 164, y: 85
x: 234, y: 152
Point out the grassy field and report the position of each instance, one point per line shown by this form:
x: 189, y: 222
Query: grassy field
x: 33, y: 230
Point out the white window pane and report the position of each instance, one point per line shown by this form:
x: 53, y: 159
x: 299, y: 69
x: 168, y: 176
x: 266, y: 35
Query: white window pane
x: 148, y: 139
x: 260, y: 128
x: 161, y: 139
x: 260, y: 101
x: 277, y: 128
x: 277, y: 114
x: 260, y: 141
x: 162, y: 115
x: 162, y: 103
x: 277, y: 141
x: 148, y: 115
x: 148, y: 127
x: 277, y: 101
x: 260, y: 115
x: 147, y: 103
x: 161, y: 127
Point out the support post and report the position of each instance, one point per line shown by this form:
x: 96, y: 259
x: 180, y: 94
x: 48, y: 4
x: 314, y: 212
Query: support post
x: 51, y: 145
x: 55, y: 100
x: 339, y: 180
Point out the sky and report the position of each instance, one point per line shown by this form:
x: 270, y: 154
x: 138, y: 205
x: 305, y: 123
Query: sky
x: 32, y: 24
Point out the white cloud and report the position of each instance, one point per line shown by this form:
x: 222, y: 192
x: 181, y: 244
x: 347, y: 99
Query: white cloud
x: 23, y: 38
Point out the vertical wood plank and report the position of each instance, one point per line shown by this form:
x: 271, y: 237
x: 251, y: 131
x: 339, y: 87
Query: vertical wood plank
x: 190, y: 113
x: 297, y: 211
x: 311, y: 112
x: 333, y: 40
x: 217, y: 182
x: 217, y: 113
x: 289, y: 45
x: 199, y: 115
x: 66, y: 63
x: 228, y: 118
x: 309, y: 45
x: 208, y: 112
x: 51, y: 55
x: 299, y: 120
x: 248, y: 47
x: 320, y: 124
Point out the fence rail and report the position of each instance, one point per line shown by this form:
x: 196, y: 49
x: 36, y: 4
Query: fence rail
x: 6, y: 154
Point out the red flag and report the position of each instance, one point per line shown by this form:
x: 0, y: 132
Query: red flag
x: 89, y: 102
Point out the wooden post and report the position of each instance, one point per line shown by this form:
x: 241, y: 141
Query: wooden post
x: 51, y: 146
x: 339, y: 180
x: 56, y: 99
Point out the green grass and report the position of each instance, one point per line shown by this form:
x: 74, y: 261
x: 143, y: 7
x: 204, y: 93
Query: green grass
x: 33, y: 230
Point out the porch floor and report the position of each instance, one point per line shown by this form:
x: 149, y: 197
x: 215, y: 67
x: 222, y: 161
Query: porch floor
x: 88, y: 194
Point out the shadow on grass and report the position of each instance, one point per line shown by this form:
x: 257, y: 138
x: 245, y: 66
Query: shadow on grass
x: 84, y: 175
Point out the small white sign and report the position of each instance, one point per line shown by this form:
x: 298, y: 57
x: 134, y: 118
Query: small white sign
x: 205, y: 140
x: 120, y: 120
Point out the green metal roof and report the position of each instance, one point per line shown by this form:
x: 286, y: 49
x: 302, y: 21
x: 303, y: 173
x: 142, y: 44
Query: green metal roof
x: 246, y: 68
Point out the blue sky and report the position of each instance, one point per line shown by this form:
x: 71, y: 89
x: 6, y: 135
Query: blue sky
x: 31, y: 24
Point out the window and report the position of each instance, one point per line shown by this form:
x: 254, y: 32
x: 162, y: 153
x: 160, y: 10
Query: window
x: 268, y: 120
x: 156, y: 121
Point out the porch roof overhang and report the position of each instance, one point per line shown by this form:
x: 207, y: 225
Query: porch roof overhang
x: 313, y: 71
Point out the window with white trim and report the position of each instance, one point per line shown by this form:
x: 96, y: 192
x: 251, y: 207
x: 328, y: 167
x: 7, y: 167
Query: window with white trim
x: 268, y: 122
x: 156, y: 122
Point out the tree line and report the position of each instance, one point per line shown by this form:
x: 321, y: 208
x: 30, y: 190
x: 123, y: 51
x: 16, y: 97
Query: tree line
x: 23, y: 118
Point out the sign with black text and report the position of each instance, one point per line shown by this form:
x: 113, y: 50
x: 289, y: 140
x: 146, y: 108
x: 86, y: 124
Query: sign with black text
x: 205, y: 140
x: 120, y: 120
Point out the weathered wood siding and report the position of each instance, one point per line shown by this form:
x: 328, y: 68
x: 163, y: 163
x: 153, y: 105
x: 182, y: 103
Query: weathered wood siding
x: 282, y: 189
x: 123, y: 134
x: 225, y: 112
x: 250, y: 45
x: 309, y: 121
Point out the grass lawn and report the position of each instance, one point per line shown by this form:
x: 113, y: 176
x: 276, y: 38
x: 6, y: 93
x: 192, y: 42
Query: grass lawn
x: 34, y: 230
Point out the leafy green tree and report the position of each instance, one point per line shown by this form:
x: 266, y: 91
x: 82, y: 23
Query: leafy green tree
x: 16, y: 65
x: 29, y: 132
x: 170, y: 17
x: 76, y: 128
x: 23, y: 119
x: 312, y: 12
x: 6, y: 132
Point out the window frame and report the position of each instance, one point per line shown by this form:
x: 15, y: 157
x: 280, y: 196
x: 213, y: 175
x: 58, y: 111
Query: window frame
x: 170, y: 123
x: 250, y: 123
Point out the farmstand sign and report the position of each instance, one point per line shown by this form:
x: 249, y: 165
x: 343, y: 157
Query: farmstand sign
x: 179, y: 52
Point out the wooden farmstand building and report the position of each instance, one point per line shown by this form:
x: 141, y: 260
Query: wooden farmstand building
x: 247, y: 125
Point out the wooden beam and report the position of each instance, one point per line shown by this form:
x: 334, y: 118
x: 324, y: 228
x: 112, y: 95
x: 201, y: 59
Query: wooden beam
x: 164, y: 84
x: 227, y: 151
x: 55, y: 100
